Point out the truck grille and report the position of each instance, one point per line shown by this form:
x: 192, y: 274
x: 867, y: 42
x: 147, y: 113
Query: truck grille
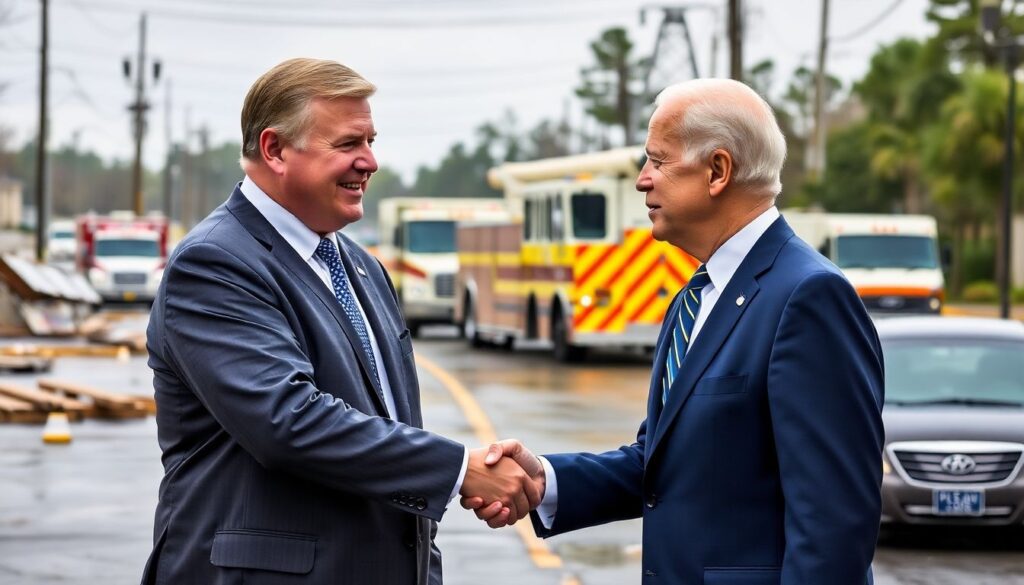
x: 129, y: 278
x: 897, y: 304
x: 987, y: 468
x: 444, y: 285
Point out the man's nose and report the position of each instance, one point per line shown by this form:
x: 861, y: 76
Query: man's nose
x: 644, y: 183
x: 367, y: 163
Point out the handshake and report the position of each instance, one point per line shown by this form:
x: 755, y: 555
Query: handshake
x: 503, y: 483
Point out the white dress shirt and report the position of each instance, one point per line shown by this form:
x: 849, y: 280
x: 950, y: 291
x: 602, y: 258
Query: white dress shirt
x: 305, y: 241
x: 721, y: 267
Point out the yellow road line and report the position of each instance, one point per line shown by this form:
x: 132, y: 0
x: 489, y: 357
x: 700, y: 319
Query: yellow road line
x: 540, y: 554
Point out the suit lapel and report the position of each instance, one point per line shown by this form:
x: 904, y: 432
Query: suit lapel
x: 261, y: 229
x: 720, y: 323
x: 389, y: 351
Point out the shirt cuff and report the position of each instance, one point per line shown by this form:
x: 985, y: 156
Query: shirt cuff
x: 462, y: 475
x: 549, y: 503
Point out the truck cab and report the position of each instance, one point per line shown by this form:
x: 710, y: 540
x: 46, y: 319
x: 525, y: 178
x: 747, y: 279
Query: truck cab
x: 122, y: 256
x: 892, y: 260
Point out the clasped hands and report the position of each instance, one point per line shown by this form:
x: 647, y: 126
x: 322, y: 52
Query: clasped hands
x: 503, y: 483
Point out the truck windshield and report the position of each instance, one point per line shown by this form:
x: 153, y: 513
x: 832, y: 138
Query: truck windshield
x: 430, y: 237
x: 144, y: 248
x: 886, y: 251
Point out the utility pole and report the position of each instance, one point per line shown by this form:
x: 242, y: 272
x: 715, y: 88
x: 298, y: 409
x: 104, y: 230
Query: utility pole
x: 998, y: 35
x: 171, y: 158
x: 187, y: 195
x: 817, y: 163
x: 42, y: 201
x: 203, y: 198
x: 138, y: 110
x: 736, y: 40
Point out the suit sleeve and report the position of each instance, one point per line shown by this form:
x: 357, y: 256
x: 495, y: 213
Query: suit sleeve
x: 596, y: 489
x: 238, y: 353
x: 825, y: 388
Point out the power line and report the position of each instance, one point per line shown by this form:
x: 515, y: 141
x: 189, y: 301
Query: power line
x: 366, y: 22
x: 870, y: 25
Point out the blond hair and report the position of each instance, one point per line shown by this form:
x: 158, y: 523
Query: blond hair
x: 280, y: 99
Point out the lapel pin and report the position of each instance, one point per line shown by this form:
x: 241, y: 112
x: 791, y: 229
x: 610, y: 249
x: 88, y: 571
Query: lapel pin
x: 739, y: 300
x: 360, y: 270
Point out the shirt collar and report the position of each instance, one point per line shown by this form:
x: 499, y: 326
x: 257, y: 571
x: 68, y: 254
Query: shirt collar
x: 727, y: 259
x: 291, y: 228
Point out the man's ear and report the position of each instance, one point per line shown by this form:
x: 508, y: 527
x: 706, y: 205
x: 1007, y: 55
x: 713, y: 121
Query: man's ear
x: 272, y: 150
x: 721, y: 166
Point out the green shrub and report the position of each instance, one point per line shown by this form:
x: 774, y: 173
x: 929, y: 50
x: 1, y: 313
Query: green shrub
x: 1018, y: 295
x: 979, y: 261
x: 981, y: 291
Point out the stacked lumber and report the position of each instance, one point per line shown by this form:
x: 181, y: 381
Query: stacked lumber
x: 106, y: 404
x: 29, y: 405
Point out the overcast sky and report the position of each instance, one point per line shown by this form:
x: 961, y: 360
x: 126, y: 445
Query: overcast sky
x: 442, y: 67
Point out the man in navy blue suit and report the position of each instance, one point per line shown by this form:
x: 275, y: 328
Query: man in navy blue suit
x: 759, y: 462
x: 288, y: 408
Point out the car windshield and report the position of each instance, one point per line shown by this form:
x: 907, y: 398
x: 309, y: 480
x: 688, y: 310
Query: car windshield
x: 62, y: 235
x: 431, y: 237
x: 954, y: 371
x: 144, y: 248
x: 886, y: 251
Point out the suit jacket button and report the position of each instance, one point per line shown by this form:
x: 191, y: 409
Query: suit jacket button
x: 421, y: 504
x: 650, y: 573
x: 652, y: 501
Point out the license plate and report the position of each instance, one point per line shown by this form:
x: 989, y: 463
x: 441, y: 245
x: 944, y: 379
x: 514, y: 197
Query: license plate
x: 958, y: 502
x: 129, y: 296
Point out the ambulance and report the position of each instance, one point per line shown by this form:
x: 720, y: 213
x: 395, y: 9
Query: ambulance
x: 892, y: 260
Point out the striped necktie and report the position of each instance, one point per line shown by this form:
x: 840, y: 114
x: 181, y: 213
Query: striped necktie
x: 682, y: 327
x: 328, y: 252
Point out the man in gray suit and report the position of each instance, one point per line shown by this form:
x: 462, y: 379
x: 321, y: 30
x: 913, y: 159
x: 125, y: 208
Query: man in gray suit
x: 288, y: 405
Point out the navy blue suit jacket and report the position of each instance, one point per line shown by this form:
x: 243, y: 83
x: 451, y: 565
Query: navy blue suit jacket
x: 764, y: 466
x: 281, y: 462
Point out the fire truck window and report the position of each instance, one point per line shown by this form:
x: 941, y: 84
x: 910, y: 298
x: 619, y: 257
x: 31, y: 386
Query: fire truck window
x: 557, y: 219
x: 544, y: 223
x: 432, y: 237
x: 588, y: 216
x: 528, y: 220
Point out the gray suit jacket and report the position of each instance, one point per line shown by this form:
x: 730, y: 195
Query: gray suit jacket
x: 281, y: 463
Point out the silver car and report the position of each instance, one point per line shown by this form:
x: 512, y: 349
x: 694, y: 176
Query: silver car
x: 954, y: 421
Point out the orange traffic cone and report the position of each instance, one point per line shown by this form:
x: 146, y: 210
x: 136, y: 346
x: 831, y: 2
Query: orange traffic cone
x: 57, y: 429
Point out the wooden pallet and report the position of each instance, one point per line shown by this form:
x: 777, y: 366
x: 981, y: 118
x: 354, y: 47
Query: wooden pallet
x: 48, y: 402
x: 13, y: 410
x: 106, y: 404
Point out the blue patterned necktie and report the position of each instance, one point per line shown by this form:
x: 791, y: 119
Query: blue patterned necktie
x: 328, y: 252
x: 685, y: 317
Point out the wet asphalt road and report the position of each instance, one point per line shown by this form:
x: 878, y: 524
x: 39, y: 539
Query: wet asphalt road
x: 82, y: 513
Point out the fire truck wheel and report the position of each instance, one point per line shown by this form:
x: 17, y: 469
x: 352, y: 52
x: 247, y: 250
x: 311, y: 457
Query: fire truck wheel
x: 469, y: 329
x: 565, y: 352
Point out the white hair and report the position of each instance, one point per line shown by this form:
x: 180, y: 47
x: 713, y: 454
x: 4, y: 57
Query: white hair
x: 726, y: 114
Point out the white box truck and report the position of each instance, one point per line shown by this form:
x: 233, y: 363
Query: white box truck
x: 892, y: 260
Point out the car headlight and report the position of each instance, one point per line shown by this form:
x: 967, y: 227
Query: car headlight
x: 886, y: 468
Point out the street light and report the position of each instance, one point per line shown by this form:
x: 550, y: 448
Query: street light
x: 1003, y: 41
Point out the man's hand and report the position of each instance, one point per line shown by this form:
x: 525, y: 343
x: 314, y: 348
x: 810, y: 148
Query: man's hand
x: 502, y: 482
x: 495, y: 513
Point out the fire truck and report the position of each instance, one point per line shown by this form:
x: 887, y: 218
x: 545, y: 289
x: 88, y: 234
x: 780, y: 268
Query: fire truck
x: 122, y: 255
x: 580, y: 270
x: 417, y: 245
